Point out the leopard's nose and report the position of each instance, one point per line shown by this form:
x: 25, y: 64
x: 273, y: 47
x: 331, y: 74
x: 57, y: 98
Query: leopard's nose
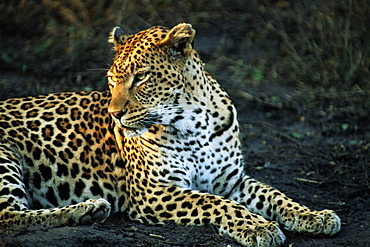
x: 117, y: 114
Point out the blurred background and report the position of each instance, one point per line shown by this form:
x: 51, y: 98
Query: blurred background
x: 49, y: 46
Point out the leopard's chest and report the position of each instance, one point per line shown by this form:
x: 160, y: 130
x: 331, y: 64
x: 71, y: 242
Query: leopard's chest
x: 192, y: 162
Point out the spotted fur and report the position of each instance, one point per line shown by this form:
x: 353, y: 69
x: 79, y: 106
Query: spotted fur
x: 171, y: 151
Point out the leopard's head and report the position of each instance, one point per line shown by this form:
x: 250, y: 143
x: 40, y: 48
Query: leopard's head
x: 149, y: 78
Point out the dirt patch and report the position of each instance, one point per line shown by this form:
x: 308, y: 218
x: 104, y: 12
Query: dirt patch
x: 302, y: 94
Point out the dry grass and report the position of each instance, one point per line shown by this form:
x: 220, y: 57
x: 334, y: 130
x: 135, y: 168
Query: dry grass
x: 330, y: 45
x: 320, y: 43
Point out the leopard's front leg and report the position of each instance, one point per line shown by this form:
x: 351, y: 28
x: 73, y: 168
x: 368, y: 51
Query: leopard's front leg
x: 189, y: 207
x: 90, y: 211
x: 14, y: 206
x: 274, y: 205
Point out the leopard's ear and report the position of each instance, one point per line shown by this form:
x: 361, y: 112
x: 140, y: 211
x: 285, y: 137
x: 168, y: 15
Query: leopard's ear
x: 178, y: 41
x: 118, y: 37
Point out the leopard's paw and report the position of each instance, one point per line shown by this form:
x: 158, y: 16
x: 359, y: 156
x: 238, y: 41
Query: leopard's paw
x: 90, y: 211
x: 324, y: 222
x: 264, y: 235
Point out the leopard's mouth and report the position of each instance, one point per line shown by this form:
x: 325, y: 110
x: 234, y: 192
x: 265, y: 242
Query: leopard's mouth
x: 137, y: 126
x: 132, y: 130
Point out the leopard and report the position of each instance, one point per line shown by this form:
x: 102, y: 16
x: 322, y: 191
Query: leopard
x: 162, y: 144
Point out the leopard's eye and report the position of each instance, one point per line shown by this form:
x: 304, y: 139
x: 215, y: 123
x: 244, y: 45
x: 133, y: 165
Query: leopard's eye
x: 141, y: 77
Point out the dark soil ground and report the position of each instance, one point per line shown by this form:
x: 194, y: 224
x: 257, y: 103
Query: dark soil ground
x: 300, y: 84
